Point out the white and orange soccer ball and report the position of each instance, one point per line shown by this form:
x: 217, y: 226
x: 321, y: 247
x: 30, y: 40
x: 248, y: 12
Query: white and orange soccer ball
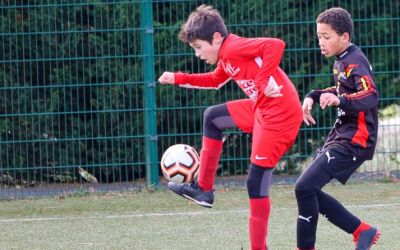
x: 180, y: 163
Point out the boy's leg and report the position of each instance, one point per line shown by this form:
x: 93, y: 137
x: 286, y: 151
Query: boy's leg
x: 216, y: 119
x: 306, y: 190
x: 269, y: 144
x: 342, y: 164
x: 364, y: 235
x: 329, y: 163
x: 258, y: 182
x: 336, y: 213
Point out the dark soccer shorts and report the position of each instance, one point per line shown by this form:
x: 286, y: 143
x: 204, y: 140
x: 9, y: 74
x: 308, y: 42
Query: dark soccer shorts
x: 338, y: 161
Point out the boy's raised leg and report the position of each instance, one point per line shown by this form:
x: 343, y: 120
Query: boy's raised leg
x: 201, y: 192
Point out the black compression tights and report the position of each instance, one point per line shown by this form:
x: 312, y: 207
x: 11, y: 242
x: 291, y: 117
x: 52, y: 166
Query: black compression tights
x: 217, y: 119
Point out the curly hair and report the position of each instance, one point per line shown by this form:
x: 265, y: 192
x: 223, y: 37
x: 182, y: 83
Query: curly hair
x: 339, y: 19
x: 202, y: 24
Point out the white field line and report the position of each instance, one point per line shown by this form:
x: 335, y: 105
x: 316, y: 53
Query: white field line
x: 123, y: 216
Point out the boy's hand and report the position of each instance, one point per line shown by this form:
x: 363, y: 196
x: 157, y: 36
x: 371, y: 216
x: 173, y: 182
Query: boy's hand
x: 307, y: 107
x: 328, y: 100
x: 273, y: 90
x: 167, y: 78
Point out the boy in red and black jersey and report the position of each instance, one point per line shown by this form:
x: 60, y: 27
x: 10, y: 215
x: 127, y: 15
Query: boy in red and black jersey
x: 271, y: 113
x: 357, y: 124
x: 352, y: 139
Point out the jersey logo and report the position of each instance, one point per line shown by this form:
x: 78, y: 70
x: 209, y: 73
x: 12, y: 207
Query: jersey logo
x: 329, y: 156
x: 231, y: 70
x: 342, y: 75
x: 249, y: 88
x: 340, y: 112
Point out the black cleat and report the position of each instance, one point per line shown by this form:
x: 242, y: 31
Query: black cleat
x: 193, y: 192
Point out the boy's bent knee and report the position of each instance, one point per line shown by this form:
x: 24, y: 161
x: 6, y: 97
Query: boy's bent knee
x: 305, y: 193
x: 258, y: 181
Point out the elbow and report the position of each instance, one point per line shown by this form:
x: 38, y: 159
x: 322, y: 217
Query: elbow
x: 281, y: 47
x: 277, y: 44
x: 282, y: 43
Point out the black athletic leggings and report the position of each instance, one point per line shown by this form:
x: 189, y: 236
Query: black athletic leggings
x: 328, y: 163
x: 217, y: 119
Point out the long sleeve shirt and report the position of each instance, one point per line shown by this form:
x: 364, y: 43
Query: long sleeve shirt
x: 356, y: 126
x: 253, y: 63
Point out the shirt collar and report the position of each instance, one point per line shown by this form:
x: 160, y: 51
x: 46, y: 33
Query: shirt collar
x: 347, y: 51
x: 221, y: 49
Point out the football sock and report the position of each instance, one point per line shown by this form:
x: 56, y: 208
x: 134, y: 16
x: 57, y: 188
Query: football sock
x: 362, y: 227
x: 209, y: 158
x: 258, y: 222
x: 336, y: 213
x: 307, y: 219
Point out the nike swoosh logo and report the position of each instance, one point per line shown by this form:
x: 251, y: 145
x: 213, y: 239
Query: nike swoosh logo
x: 261, y: 158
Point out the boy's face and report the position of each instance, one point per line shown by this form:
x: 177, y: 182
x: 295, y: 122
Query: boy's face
x: 206, y: 51
x: 330, y: 42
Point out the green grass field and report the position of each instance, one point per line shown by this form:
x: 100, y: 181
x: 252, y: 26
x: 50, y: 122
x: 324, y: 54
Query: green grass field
x: 162, y: 220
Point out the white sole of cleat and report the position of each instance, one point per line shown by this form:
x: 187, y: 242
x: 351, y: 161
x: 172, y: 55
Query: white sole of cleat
x: 201, y: 203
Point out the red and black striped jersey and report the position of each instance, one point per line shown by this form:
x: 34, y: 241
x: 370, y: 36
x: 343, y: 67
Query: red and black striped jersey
x: 356, y: 126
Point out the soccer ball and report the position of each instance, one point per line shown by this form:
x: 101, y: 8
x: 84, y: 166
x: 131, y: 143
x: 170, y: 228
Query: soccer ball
x: 180, y: 163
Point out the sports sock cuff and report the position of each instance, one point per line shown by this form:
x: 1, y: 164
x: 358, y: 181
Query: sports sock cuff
x: 362, y: 227
x: 260, y: 207
x: 212, y: 144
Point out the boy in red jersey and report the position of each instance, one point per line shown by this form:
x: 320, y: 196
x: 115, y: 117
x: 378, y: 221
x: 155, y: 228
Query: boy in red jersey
x: 272, y: 112
x: 351, y: 141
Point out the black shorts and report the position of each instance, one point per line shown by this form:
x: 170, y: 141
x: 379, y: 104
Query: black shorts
x: 338, y: 161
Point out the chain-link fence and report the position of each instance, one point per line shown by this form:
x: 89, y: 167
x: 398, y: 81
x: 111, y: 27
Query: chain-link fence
x: 79, y: 96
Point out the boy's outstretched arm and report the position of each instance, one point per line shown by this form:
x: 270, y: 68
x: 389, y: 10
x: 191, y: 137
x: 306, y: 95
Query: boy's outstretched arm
x: 210, y: 80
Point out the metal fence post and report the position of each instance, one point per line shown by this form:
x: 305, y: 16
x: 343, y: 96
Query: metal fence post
x: 146, y: 22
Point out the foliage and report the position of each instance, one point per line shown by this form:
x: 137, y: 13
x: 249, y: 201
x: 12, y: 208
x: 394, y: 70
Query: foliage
x: 70, y: 89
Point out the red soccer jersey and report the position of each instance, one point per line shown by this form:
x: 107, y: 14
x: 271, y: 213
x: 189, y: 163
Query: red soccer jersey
x: 252, y: 63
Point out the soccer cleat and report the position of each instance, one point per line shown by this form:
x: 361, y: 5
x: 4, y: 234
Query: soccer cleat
x: 193, y: 192
x: 367, y: 238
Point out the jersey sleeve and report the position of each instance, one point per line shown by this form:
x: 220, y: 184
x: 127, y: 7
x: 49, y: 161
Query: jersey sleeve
x: 270, y: 50
x: 316, y: 94
x: 210, y: 80
x: 366, y: 96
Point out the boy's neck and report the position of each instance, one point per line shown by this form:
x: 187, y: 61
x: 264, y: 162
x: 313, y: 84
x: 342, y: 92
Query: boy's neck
x: 344, y: 49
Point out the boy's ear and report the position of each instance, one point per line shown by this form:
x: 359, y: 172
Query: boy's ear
x: 346, y: 37
x: 217, y: 38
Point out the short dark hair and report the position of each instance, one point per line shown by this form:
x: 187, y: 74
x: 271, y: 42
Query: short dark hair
x: 202, y: 24
x: 339, y: 19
